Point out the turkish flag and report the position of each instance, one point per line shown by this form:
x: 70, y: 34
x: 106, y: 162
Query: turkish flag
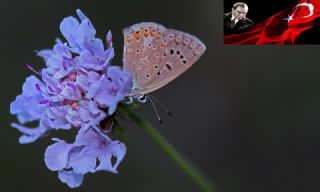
x: 283, y: 27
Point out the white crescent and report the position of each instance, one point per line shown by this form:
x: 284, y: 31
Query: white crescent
x: 310, y: 7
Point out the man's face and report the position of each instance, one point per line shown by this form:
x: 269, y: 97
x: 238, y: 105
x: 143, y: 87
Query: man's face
x: 239, y: 12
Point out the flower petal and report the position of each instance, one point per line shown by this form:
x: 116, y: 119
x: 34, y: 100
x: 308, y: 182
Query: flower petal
x: 90, y: 137
x: 81, y: 15
x: 84, y: 161
x: 116, y: 149
x: 86, y: 30
x: 68, y: 27
x: 56, y: 156
x: 45, y: 54
x: 73, y: 180
x: 30, y: 134
x: 109, y: 39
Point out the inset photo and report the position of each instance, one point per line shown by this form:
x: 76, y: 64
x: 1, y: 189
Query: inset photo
x: 261, y: 22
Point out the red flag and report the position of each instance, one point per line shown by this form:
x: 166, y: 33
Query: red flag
x: 282, y: 28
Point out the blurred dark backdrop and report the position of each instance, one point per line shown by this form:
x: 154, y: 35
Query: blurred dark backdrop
x: 247, y: 116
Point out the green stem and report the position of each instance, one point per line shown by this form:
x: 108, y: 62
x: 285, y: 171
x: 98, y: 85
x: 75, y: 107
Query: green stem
x: 185, y: 166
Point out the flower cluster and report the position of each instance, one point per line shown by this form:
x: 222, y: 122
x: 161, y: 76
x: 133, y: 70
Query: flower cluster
x: 77, y: 89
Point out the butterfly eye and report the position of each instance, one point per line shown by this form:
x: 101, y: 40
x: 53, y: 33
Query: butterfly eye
x: 181, y: 56
x: 156, y: 66
x: 142, y: 98
x: 171, y: 51
x: 184, y: 62
x: 178, y: 52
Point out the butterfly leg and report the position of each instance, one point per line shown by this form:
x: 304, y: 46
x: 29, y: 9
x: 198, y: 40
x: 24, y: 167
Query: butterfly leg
x: 130, y: 100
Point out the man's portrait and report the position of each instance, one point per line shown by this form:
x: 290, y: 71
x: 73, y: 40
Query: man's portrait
x: 236, y: 22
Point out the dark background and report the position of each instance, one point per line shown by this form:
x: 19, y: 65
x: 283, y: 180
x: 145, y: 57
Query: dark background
x: 246, y: 116
x: 260, y: 10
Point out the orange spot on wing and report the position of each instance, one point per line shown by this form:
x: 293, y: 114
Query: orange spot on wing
x: 137, y: 34
x: 146, y: 32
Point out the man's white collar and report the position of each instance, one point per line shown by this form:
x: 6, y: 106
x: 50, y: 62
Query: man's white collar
x: 232, y: 18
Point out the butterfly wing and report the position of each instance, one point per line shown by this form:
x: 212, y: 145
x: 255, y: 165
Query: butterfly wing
x: 155, y: 55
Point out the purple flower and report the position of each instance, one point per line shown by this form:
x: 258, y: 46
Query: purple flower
x: 77, y: 89
x: 92, y: 151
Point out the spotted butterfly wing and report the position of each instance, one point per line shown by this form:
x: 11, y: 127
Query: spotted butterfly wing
x: 155, y: 55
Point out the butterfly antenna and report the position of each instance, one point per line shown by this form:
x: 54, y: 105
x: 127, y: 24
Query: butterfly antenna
x: 161, y: 104
x: 155, y: 109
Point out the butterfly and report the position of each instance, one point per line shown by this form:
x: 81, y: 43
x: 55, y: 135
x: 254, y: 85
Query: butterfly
x: 155, y: 56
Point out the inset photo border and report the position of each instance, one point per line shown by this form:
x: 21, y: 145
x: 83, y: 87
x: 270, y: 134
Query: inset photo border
x: 261, y: 22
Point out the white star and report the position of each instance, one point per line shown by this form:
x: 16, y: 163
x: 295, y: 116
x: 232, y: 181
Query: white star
x: 289, y: 18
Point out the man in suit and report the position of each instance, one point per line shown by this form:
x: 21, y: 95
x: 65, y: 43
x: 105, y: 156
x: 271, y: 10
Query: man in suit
x: 236, y: 22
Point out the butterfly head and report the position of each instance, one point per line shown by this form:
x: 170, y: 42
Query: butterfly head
x: 142, y: 98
